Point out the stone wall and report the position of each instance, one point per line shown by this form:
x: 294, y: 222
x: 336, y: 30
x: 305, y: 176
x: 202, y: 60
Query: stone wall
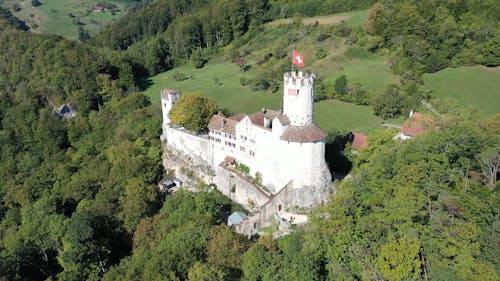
x: 240, y: 189
x: 195, y: 146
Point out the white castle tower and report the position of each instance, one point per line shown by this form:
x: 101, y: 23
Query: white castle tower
x: 168, y: 98
x: 298, y: 97
x: 305, y: 141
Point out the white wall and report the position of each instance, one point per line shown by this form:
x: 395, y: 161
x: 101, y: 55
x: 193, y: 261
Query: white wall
x: 188, y: 143
x: 299, y: 108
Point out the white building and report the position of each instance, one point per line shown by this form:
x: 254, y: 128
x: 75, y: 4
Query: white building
x: 282, y: 146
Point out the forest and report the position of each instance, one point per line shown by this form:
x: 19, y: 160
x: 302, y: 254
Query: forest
x: 79, y: 197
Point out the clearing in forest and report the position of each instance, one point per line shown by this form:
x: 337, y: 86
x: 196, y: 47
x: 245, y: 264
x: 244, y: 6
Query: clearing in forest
x: 65, y: 17
x: 472, y: 86
x: 355, y: 18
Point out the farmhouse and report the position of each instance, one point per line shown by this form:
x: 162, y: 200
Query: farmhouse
x: 417, y: 124
x: 283, y: 149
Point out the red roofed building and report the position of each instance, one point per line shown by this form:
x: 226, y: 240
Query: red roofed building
x: 416, y: 125
x: 358, y: 141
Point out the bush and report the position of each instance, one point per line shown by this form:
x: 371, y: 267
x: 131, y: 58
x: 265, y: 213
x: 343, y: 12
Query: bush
x: 321, y: 53
x: 16, y: 7
x: 243, y: 168
x: 35, y: 3
x: 178, y: 76
x: 197, y: 59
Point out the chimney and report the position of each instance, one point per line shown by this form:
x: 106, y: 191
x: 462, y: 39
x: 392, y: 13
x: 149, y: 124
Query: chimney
x: 223, y: 122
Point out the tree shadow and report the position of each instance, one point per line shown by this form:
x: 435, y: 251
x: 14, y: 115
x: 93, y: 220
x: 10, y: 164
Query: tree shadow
x: 144, y: 83
x: 338, y: 163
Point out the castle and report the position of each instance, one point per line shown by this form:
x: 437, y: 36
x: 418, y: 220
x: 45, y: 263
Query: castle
x: 286, y: 149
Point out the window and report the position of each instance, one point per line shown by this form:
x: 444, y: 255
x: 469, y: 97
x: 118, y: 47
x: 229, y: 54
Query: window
x: 242, y: 148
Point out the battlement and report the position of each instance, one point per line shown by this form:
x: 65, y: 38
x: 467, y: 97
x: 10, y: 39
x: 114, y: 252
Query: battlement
x: 299, y: 79
x: 168, y: 93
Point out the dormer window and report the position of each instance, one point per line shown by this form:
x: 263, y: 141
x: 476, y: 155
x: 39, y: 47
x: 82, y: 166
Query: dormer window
x: 268, y: 123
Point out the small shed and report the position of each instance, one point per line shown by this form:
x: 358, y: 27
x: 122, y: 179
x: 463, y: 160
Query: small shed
x: 166, y: 185
x: 236, y: 218
x: 358, y: 141
x: 65, y: 111
x: 230, y: 160
x: 177, y: 182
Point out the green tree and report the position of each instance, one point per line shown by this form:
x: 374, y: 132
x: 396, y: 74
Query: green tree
x: 197, y: 59
x: 140, y: 200
x: 225, y: 247
x: 193, y: 111
x: 205, y: 272
x: 390, y: 103
x: 399, y: 260
x: 341, y: 85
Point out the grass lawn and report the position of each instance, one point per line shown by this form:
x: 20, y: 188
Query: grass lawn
x: 356, y: 18
x: 229, y: 93
x: 371, y: 72
x: 353, y: 19
x: 220, y: 81
x: 473, y: 86
x: 52, y: 16
x: 343, y: 116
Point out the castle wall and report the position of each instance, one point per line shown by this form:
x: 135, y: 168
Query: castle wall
x: 308, y: 167
x: 240, y: 189
x: 194, y: 146
x: 168, y: 99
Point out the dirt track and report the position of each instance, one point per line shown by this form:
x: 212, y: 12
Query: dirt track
x: 320, y: 20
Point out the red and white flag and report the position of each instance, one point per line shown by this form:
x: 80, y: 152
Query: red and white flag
x: 298, y: 59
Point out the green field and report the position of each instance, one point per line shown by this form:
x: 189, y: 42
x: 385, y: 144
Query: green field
x: 345, y: 116
x: 53, y: 17
x: 353, y: 19
x: 368, y: 69
x: 229, y: 93
x: 473, y: 86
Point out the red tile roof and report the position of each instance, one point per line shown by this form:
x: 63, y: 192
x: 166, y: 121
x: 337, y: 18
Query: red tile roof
x: 258, y: 117
x: 358, y: 141
x: 238, y: 117
x: 220, y: 123
x: 417, y: 124
x: 229, y: 160
x: 308, y: 133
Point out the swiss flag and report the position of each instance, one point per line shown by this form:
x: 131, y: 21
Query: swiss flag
x: 298, y: 59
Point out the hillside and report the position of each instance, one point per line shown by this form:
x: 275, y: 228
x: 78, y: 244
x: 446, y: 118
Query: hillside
x: 79, y: 197
x: 264, y: 55
x: 474, y: 86
x: 70, y: 18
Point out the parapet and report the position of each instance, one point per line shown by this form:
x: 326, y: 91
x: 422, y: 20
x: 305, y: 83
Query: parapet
x: 298, y: 79
x: 166, y: 93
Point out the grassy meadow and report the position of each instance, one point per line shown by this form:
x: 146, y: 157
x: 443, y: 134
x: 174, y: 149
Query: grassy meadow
x: 53, y: 16
x: 472, y: 86
x: 352, y: 19
x: 221, y: 82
